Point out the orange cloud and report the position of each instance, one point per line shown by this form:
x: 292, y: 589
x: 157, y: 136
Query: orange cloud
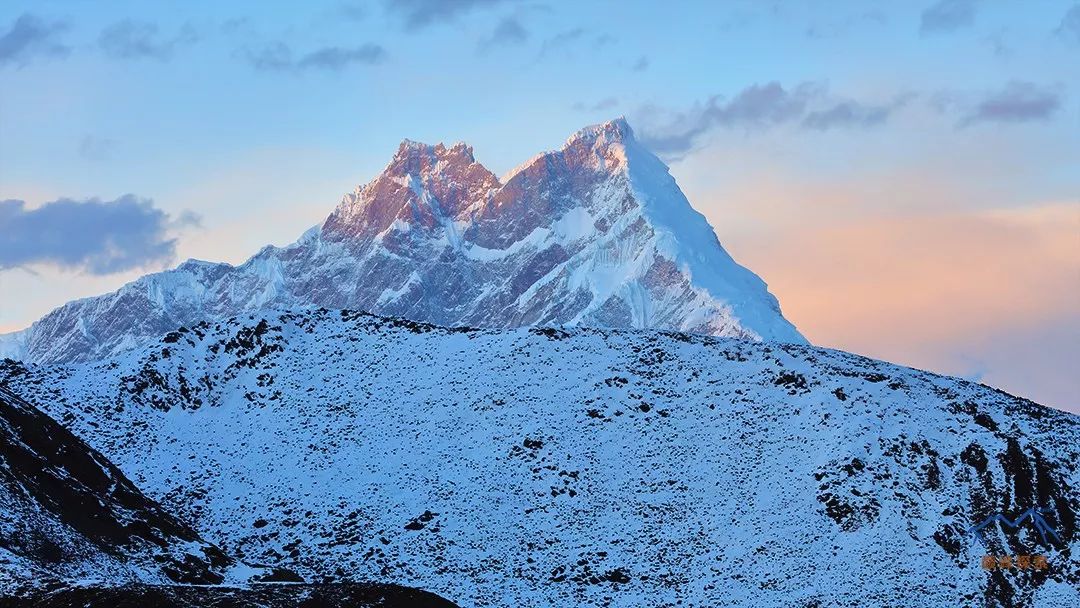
x: 928, y: 290
x: 958, y: 254
x: 952, y: 274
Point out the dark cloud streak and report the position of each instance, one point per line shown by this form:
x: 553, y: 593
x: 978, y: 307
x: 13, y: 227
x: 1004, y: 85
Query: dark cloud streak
x: 418, y: 14
x: 562, y: 40
x: 762, y: 106
x: 278, y: 56
x: 94, y: 148
x: 141, y: 40
x: 604, y: 104
x: 847, y: 113
x: 1017, y: 102
x: 1069, y: 28
x: 853, y: 114
x: 100, y: 237
x: 509, y: 31
x: 31, y: 37
x: 272, y: 57
x: 352, y: 11
x: 759, y: 105
x: 567, y: 42
x: 338, y: 58
x: 946, y: 16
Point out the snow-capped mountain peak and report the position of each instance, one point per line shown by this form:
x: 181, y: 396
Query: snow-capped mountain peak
x: 421, y: 185
x: 594, y: 233
x: 613, y: 135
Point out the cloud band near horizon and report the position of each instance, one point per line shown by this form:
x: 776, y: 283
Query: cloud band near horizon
x: 98, y: 237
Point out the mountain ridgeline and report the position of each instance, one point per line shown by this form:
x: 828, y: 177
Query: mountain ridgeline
x: 596, y: 234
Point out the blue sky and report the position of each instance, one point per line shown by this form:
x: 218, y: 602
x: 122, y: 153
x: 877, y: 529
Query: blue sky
x: 906, y: 176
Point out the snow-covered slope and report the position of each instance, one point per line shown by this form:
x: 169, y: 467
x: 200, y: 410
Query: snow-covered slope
x: 74, y: 531
x: 596, y: 234
x: 68, y: 513
x: 574, y: 467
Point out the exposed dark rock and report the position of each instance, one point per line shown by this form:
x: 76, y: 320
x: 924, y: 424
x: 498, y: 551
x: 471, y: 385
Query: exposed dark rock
x: 65, y: 501
x: 327, y: 595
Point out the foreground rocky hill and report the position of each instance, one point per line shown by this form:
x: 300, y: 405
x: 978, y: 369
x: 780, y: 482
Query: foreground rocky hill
x: 74, y: 531
x: 261, y: 595
x: 540, y: 467
x: 68, y: 513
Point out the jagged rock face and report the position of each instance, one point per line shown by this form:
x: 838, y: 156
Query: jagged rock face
x: 421, y: 186
x: 594, y: 234
x: 554, y: 467
x: 68, y: 512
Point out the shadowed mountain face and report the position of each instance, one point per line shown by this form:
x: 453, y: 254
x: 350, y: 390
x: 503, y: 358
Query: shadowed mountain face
x: 69, y: 513
x: 595, y: 234
x: 540, y: 467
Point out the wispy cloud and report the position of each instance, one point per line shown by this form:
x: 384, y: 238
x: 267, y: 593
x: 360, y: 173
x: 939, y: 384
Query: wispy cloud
x: 418, y: 14
x: 235, y: 25
x: 567, y: 43
x: 1017, y: 102
x: 509, y: 31
x: 129, y: 39
x: 338, y: 58
x: 946, y: 16
x: 94, y: 148
x: 604, y: 104
x: 837, y: 26
x: 278, y: 56
x: 100, y: 237
x: 353, y: 11
x: 758, y: 105
x: 604, y: 40
x: 996, y: 42
x: 641, y: 64
x: 31, y: 37
x: 561, y: 40
x: 948, y: 289
x: 849, y: 113
x: 1070, y: 25
x: 761, y: 106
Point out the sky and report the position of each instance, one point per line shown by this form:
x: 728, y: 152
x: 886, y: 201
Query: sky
x: 904, y: 175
